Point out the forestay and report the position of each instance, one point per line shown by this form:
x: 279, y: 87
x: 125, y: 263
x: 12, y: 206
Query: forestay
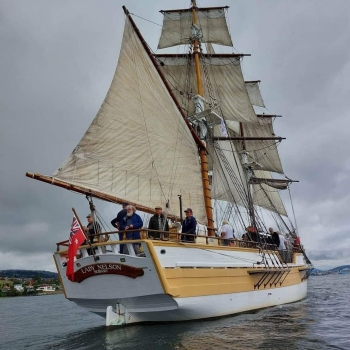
x: 266, y: 196
x: 138, y: 147
x: 177, y: 27
x: 228, y: 96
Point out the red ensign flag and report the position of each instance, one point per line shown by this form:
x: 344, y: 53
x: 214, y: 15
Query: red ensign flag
x: 76, y: 238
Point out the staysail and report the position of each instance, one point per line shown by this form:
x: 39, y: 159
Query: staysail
x: 263, y: 152
x: 177, y: 27
x: 266, y: 196
x: 254, y: 93
x: 138, y: 147
x: 228, y: 177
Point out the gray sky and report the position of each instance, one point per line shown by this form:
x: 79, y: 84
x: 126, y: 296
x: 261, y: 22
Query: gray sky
x: 57, y: 61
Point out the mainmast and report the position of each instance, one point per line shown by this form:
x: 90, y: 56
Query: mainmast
x: 202, y: 150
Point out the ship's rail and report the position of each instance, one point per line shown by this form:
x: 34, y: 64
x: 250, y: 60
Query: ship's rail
x: 169, y: 236
x: 166, y: 236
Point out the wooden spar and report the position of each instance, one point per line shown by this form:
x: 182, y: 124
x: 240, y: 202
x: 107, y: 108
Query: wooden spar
x: 246, y: 138
x: 258, y: 180
x: 268, y: 116
x: 198, y: 9
x: 252, y: 81
x: 202, y: 152
x: 205, y: 55
x: 196, y: 54
x: 198, y: 141
x: 93, y: 193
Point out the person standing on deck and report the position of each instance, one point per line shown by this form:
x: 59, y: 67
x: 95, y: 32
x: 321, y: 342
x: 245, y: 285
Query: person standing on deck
x: 131, y: 221
x: 116, y: 223
x: 158, y: 222
x: 282, y: 245
x: 92, y: 228
x: 189, y: 226
x: 275, y: 237
x: 227, y: 233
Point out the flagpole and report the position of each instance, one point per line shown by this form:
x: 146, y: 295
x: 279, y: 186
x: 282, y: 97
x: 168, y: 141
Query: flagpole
x: 87, y: 238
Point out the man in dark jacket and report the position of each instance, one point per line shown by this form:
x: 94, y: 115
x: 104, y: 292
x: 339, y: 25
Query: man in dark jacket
x: 131, y: 221
x: 189, y: 226
x: 275, y: 237
x: 116, y: 223
x: 158, y: 222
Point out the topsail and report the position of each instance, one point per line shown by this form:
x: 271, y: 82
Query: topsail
x: 177, y: 27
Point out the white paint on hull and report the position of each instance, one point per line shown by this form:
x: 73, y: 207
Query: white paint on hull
x: 202, y: 307
x: 203, y: 257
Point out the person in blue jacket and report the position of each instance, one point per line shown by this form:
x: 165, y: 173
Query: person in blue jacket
x: 189, y: 226
x: 131, y: 221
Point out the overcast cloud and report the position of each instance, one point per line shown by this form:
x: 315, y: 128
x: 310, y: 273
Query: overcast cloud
x: 57, y: 61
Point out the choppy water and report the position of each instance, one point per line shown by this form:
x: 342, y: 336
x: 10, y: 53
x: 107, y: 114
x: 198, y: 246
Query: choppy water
x: 322, y: 321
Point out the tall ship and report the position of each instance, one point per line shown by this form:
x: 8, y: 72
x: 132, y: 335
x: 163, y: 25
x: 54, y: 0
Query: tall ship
x: 182, y: 130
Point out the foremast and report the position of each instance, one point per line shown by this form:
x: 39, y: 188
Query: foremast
x: 202, y: 151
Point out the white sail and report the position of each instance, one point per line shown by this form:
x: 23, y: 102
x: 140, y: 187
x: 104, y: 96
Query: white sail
x: 266, y: 196
x: 177, y: 27
x: 138, y: 147
x: 228, y: 93
x: 263, y: 152
x: 254, y: 93
x: 228, y: 177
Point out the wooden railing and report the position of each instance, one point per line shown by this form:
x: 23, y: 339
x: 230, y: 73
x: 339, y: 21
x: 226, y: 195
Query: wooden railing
x: 167, y: 236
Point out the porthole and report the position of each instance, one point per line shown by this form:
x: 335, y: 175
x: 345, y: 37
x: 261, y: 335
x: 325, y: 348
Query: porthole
x: 162, y: 251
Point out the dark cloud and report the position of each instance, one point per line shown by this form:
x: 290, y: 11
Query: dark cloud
x: 57, y: 62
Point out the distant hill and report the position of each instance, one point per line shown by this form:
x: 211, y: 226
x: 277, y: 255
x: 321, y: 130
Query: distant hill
x: 340, y: 268
x: 27, y: 273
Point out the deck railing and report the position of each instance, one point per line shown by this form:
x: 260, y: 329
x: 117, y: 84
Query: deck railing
x: 169, y: 236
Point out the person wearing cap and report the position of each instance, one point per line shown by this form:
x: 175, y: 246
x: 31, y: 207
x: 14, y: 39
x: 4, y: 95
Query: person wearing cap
x: 92, y: 228
x: 227, y: 233
x: 189, y: 226
x: 158, y: 222
x: 116, y: 223
x: 131, y: 221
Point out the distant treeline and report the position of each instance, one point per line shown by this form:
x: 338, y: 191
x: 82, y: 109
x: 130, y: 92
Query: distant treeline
x: 340, y: 268
x: 27, y: 274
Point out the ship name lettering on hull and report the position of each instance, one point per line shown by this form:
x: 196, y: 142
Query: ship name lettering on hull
x: 107, y: 269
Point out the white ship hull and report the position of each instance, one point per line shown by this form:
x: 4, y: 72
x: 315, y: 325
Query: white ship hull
x: 180, y: 283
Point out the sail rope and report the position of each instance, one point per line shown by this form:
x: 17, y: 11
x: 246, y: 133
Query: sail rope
x: 295, y: 219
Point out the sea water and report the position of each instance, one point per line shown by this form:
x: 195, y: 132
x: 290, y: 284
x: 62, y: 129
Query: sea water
x: 322, y: 321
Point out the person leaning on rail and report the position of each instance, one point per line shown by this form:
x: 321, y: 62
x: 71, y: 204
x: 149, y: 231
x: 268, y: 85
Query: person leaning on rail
x: 158, y: 222
x: 92, y: 228
x: 189, y: 226
x: 227, y: 233
x: 116, y: 223
x: 131, y: 221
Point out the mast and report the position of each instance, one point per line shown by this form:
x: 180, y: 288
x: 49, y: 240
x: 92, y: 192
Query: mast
x: 202, y: 151
x: 248, y: 172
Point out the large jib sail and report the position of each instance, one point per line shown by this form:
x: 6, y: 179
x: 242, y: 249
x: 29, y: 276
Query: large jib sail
x: 138, y: 147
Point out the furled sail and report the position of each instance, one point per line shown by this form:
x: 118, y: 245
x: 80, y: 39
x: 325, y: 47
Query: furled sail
x: 138, y: 147
x: 263, y: 152
x: 266, y: 196
x: 225, y: 91
x: 228, y: 177
x: 254, y: 93
x: 177, y: 27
